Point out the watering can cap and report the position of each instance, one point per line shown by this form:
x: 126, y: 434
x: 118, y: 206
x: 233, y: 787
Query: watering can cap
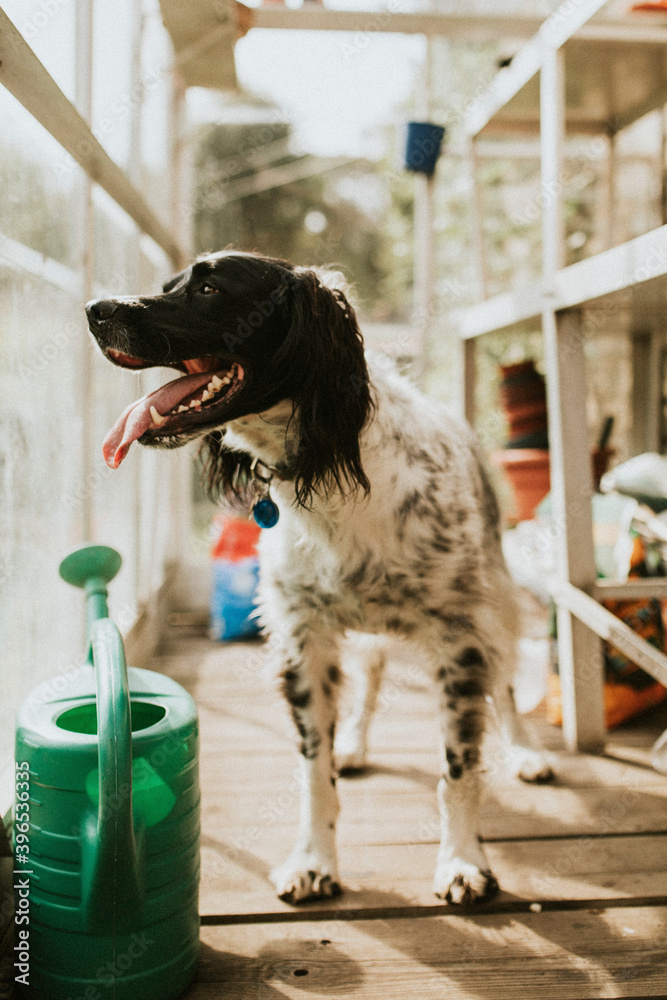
x: 90, y: 561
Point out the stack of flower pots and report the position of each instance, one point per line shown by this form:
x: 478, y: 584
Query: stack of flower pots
x: 525, y: 459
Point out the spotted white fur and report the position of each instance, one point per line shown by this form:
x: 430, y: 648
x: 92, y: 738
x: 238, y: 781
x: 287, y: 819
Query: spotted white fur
x: 418, y: 558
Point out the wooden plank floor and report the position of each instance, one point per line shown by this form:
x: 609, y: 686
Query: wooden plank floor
x: 582, y: 864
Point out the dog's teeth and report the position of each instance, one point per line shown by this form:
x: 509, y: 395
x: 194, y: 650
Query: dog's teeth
x: 210, y: 387
x: 182, y: 409
x: 226, y: 380
x: 215, y: 382
x: 206, y: 395
x: 193, y: 403
x: 158, y: 419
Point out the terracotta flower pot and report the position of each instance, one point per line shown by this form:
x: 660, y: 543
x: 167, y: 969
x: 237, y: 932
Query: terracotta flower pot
x: 527, y: 470
x: 527, y: 393
x: 517, y: 370
x: 526, y: 419
x: 521, y: 386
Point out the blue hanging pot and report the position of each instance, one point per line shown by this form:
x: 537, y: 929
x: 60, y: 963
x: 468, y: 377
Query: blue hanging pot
x: 422, y: 147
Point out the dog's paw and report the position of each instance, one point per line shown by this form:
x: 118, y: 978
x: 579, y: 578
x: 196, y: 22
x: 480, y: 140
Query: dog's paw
x: 295, y: 884
x: 531, y: 766
x: 349, y: 752
x: 461, y: 882
x: 351, y: 762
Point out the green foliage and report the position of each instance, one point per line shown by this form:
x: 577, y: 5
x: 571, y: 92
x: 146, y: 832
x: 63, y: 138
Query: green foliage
x: 36, y: 211
x: 358, y: 221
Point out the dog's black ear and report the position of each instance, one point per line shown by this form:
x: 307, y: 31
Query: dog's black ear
x: 324, y: 349
x: 225, y: 472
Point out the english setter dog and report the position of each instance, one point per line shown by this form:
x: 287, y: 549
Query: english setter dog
x: 388, y: 526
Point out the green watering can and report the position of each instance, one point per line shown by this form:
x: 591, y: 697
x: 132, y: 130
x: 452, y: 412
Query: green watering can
x: 106, y: 830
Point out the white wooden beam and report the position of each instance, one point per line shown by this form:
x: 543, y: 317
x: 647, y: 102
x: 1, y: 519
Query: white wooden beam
x: 22, y: 258
x: 255, y: 157
x: 25, y: 77
x: 607, y: 626
x: 470, y: 26
x: 630, y: 590
x: 422, y: 231
x: 477, y: 225
x: 84, y: 264
x: 273, y: 177
x: 609, y: 272
x: 552, y: 141
x: 565, y: 21
x: 579, y: 652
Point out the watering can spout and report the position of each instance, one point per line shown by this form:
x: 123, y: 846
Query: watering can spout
x: 91, y: 568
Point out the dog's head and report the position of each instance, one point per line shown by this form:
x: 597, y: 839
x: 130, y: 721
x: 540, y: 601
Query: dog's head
x: 245, y: 332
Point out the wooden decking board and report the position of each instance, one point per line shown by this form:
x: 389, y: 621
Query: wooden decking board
x: 317, y: 913
x: 391, y: 772
x: 236, y: 879
x: 611, y: 953
x: 591, y: 850
x: 385, y: 819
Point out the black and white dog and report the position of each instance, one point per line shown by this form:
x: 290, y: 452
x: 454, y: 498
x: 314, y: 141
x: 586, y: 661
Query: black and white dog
x: 388, y: 525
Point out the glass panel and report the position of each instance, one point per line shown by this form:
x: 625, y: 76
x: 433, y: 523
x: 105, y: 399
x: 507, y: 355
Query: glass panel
x: 37, y: 184
x: 41, y: 485
x: 49, y: 28
x: 114, y: 96
x: 52, y: 474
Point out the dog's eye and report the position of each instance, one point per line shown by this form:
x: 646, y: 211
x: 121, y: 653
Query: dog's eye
x: 207, y: 289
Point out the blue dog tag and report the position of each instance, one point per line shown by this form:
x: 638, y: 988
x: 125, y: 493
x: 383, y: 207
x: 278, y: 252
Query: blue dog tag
x: 266, y: 513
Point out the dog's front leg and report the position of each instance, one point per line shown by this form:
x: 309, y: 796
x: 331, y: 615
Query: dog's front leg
x: 310, y: 683
x: 462, y: 872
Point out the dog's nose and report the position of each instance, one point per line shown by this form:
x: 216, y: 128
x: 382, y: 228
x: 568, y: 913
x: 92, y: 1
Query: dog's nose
x: 101, y: 309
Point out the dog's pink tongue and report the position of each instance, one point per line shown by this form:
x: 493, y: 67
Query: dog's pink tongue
x: 136, y: 419
x: 131, y: 424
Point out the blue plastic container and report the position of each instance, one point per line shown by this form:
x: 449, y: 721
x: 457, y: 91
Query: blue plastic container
x: 422, y: 147
x: 234, y: 599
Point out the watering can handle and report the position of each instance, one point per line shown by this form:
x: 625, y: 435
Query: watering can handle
x: 112, y: 879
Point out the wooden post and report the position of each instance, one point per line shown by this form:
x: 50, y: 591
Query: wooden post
x: 609, y: 193
x: 646, y: 391
x: 84, y: 260
x: 470, y: 344
x: 579, y: 650
x: 552, y: 133
x: 469, y: 379
x: 423, y: 238
x: 181, y: 226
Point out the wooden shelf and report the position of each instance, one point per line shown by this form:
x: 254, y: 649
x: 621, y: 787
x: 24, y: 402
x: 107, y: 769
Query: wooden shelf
x: 642, y: 261
x: 578, y: 76
x: 630, y: 589
x: 617, y: 72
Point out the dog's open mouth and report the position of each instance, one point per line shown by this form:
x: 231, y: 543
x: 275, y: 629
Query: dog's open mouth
x: 196, y: 399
